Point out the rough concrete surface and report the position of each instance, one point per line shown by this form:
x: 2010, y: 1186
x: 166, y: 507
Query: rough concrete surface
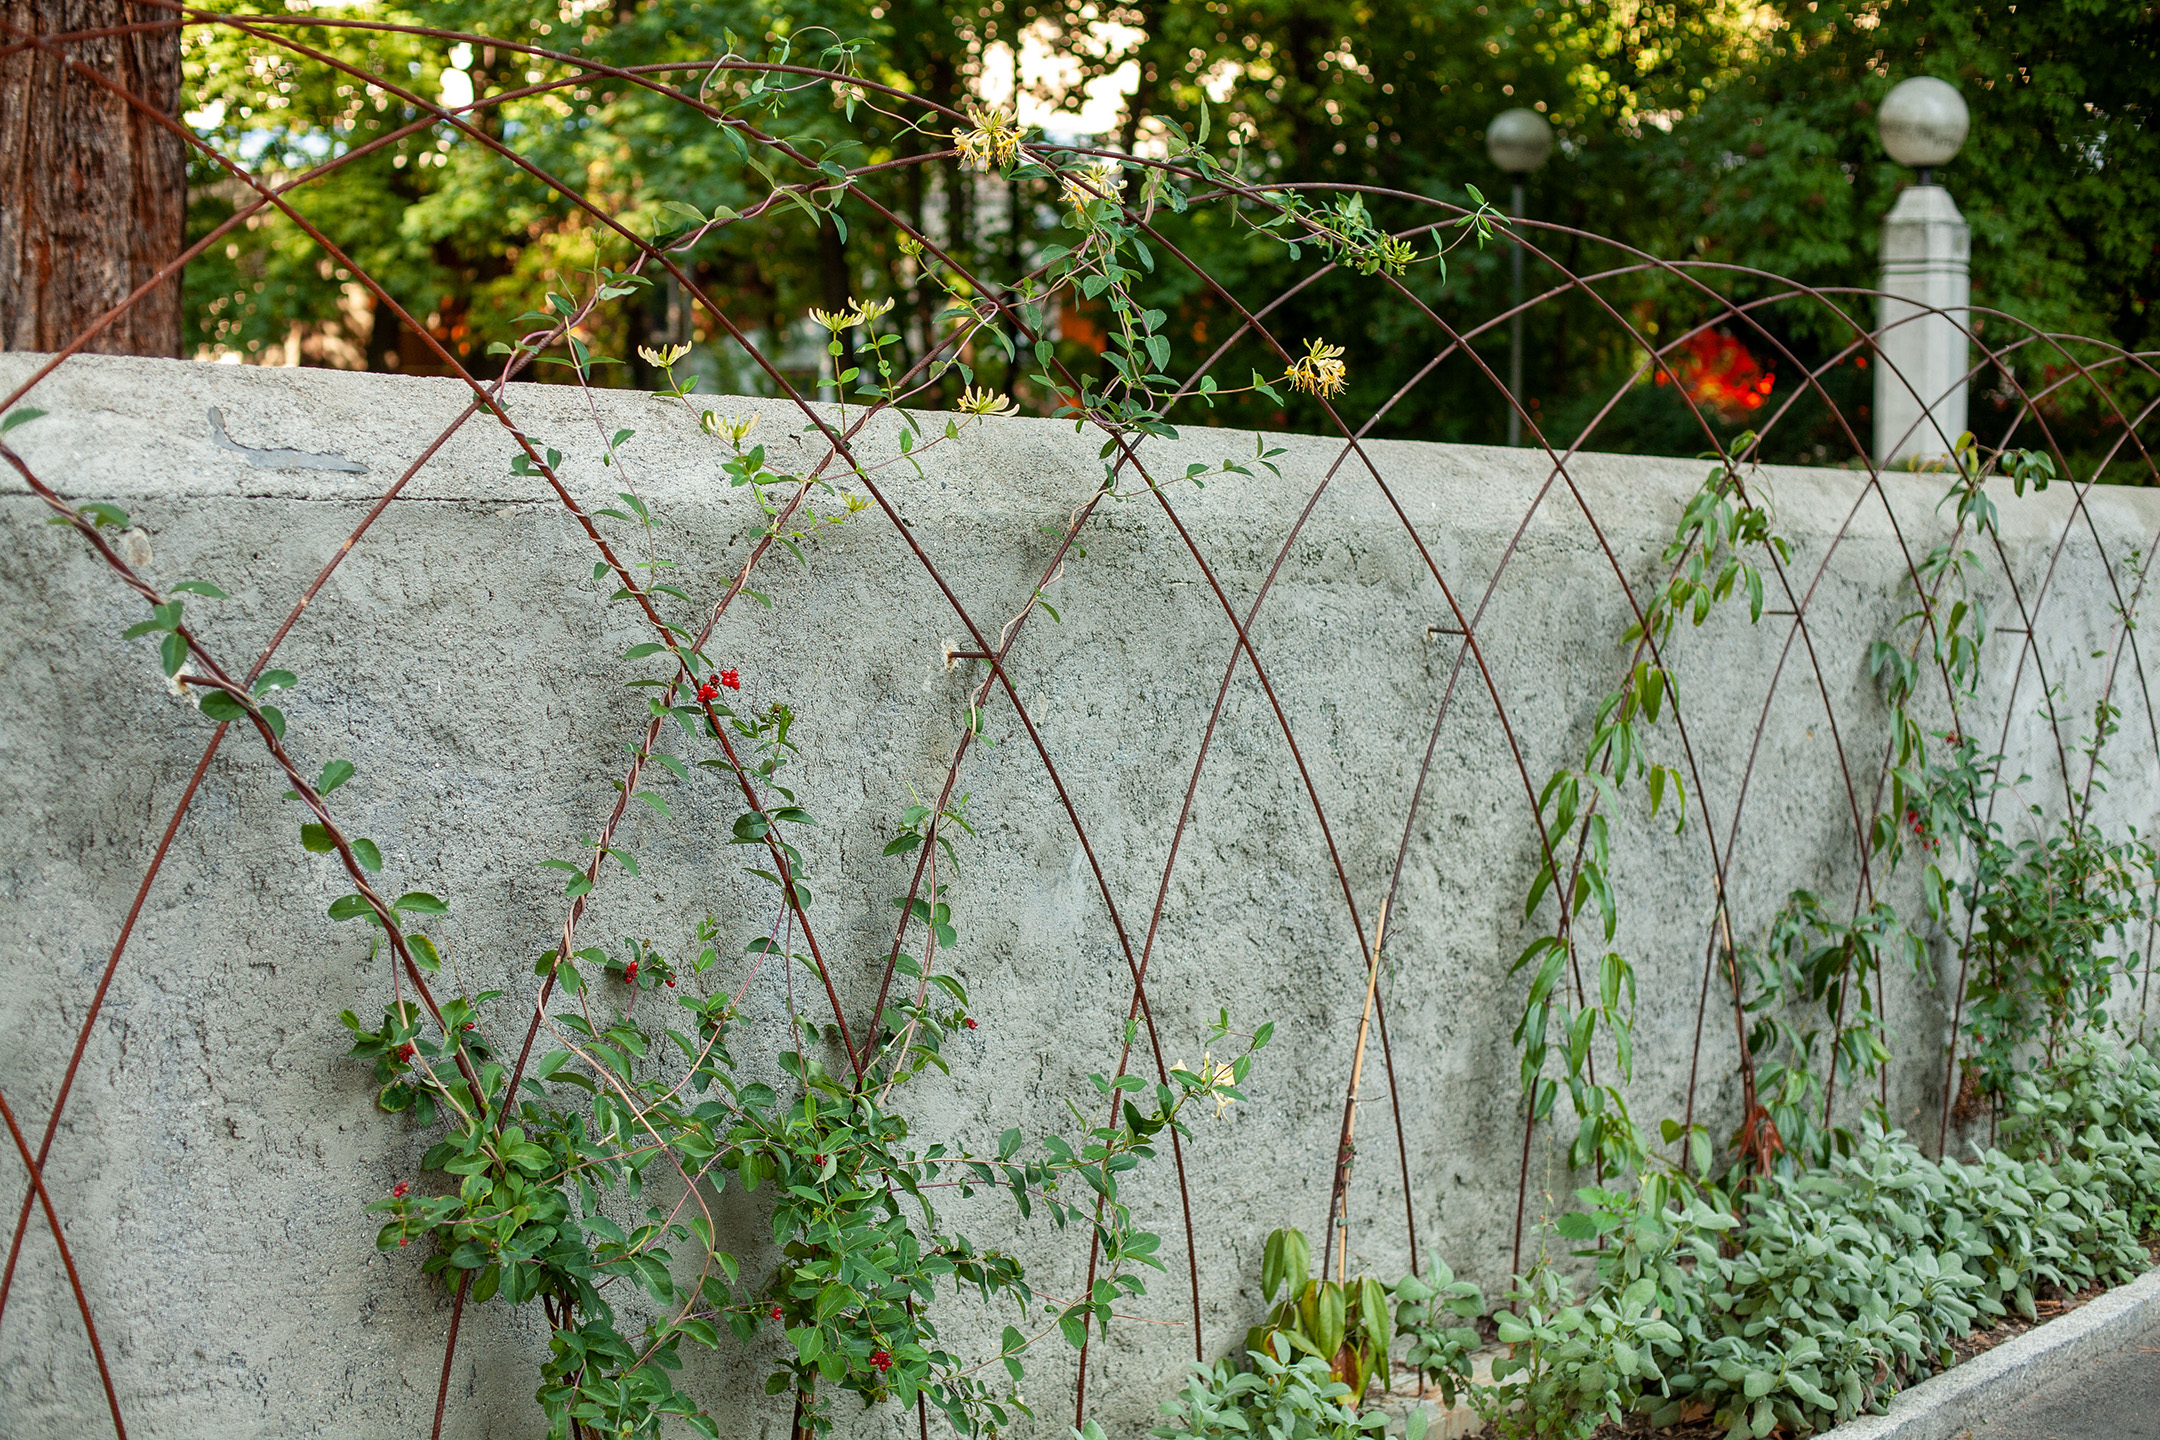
x: 2115, y: 1396
x: 218, y: 1150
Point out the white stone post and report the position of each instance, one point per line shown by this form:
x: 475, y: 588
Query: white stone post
x: 1927, y: 285
x: 1923, y: 346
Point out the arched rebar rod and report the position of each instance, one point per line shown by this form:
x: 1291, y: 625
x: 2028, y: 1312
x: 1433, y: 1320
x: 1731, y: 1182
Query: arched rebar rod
x: 67, y: 1259
x: 716, y: 309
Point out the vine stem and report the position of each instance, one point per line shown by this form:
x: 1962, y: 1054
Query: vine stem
x: 1339, y: 1200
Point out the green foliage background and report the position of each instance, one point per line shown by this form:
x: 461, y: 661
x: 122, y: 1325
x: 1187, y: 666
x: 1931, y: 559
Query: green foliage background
x: 1736, y: 134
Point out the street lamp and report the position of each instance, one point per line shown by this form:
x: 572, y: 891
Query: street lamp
x: 1518, y: 141
x: 1921, y: 345
x: 1923, y: 122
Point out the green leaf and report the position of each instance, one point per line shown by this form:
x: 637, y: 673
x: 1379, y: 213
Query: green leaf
x: 419, y: 902
x: 334, y: 774
x: 315, y: 838
x: 20, y: 415
x: 1576, y: 1226
x: 218, y: 705
x: 271, y: 680
x: 173, y: 652
x: 679, y: 216
x: 350, y: 907
x: 200, y: 587
x: 369, y: 857
x: 1330, y: 1318
x: 1285, y: 1260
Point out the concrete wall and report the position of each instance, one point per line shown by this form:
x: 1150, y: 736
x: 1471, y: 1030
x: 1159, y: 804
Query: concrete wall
x: 218, y: 1151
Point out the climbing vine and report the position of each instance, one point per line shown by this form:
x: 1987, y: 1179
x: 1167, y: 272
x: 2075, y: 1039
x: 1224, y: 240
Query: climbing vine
x: 582, y: 1170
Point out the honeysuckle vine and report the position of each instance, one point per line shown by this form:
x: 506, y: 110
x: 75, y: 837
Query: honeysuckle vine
x: 1707, y: 562
x: 527, y: 1219
x: 2042, y: 906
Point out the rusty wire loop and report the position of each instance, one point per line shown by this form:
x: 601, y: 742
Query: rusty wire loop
x: 1721, y: 800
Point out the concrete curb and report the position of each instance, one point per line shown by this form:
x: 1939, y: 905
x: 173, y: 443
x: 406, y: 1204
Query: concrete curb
x: 1987, y: 1386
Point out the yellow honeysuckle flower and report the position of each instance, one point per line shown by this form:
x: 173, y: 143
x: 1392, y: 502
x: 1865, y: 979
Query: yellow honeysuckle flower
x: 1389, y: 254
x: 986, y: 402
x: 1213, y: 1076
x: 992, y: 142
x: 1320, y: 371
x: 1098, y: 180
x: 662, y: 359
x: 733, y: 429
x: 846, y: 320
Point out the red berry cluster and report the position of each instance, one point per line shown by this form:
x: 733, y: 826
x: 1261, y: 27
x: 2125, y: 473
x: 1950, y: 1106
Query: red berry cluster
x: 405, y: 1051
x: 971, y: 1022
x: 776, y: 1312
x: 882, y: 1360
x: 710, y: 690
x: 629, y: 973
x: 400, y: 1190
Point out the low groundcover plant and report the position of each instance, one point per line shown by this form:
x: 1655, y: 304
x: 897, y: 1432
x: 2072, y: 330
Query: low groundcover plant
x: 1786, y: 1308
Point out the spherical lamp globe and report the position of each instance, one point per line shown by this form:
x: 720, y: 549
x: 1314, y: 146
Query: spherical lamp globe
x: 1518, y: 140
x: 1923, y: 122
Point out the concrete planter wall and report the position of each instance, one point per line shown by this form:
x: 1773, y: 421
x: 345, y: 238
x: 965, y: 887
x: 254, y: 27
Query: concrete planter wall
x: 218, y: 1150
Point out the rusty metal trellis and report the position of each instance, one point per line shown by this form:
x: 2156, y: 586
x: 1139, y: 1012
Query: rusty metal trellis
x: 1721, y: 799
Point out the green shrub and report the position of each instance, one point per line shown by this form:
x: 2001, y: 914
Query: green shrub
x: 1813, y: 1299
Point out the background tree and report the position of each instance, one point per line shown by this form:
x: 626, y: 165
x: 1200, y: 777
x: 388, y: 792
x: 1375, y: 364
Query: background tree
x: 1737, y: 135
x: 93, y: 193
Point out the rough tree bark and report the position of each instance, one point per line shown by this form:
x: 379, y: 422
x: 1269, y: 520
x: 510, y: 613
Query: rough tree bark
x: 93, y: 193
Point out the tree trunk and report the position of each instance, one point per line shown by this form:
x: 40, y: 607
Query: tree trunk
x: 93, y: 193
